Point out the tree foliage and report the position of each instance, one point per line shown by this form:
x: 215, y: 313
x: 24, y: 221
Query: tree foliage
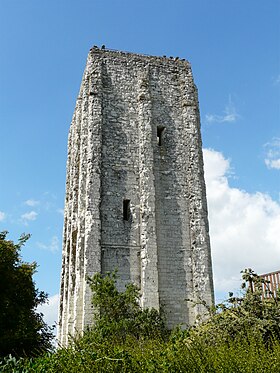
x: 119, y: 315
x: 22, y: 329
x: 255, y: 312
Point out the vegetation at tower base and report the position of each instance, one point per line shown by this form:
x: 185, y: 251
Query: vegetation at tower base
x: 22, y: 330
x: 252, y: 314
x: 119, y: 313
x: 241, y: 335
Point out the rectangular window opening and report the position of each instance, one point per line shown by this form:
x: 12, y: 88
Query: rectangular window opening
x: 160, y: 131
x: 126, y: 209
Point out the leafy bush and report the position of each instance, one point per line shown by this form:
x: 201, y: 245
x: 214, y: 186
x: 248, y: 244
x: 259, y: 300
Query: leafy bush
x: 251, y: 314
x: 179, y: 354
x: 240, y: 336
x: 119, y: 314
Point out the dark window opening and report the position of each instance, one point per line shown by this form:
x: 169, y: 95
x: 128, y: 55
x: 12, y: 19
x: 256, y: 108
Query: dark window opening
x: 126, y: 209
x: 160, y: 131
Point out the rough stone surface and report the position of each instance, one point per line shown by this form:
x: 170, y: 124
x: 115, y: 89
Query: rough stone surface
x: 135, y: 136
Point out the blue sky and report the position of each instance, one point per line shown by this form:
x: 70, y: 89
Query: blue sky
x: 234, y: 49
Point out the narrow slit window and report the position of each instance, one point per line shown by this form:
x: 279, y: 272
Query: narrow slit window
x: 126, y: 209
x: 160, y: 131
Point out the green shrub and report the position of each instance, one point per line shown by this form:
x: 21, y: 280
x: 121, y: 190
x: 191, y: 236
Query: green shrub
x: 240, y: 336
x: 176, y: 355
x: 119, y: 314
x: 251, y: 314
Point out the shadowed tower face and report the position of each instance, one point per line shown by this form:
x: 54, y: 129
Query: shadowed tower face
x: 135, y: 192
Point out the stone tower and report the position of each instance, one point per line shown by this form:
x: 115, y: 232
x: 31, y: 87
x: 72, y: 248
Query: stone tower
x: 135, y: 191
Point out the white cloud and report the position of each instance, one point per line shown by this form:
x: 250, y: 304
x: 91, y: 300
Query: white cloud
x: 2, y: 215
x: 50, y: 310
x: 29, y: 216
x: 31, y: 202
x: 244, y: 227
x: 52, y: 246
x: 272, y: 153
x: 229, y: 115
x: 273, y: 163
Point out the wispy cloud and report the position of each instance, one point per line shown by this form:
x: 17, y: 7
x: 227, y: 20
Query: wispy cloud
x: 276, y: 80
x: 2, y: 215
x: 272, y: 153
x: 60, y: 211
x: 229, y: 115
x: 29, y: 216
x: 273, y: 163
x: 31, y: 202
x: 52, y: 246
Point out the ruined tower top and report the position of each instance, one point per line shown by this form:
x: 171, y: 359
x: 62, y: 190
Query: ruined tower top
x: 135, y: 192
x: 150, y: 59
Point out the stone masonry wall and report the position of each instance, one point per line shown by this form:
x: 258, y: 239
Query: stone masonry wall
x: 135, y: 137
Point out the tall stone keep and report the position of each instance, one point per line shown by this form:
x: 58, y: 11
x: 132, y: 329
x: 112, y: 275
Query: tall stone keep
x: 135, y: 191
